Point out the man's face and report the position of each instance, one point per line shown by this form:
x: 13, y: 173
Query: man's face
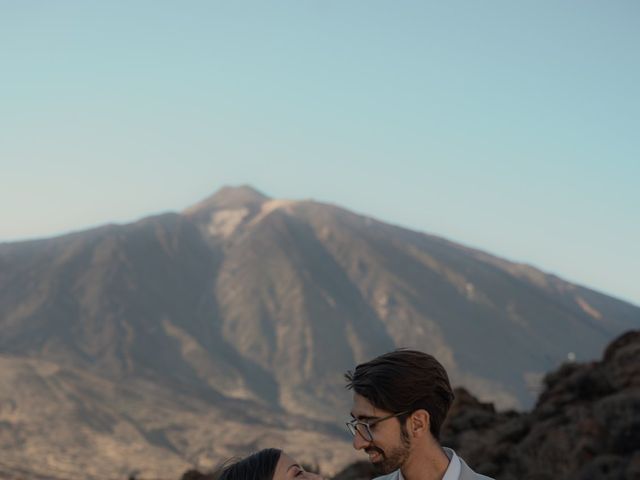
x: 390, y: 446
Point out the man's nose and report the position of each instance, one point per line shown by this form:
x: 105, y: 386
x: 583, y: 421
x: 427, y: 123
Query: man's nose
x: 358, y: 442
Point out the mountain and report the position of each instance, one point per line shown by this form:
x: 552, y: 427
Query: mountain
x: 185, y: 338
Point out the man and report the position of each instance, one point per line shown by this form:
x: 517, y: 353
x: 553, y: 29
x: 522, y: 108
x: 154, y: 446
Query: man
x: 400, y: 400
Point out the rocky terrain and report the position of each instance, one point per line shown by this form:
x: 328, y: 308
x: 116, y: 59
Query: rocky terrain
x: 185, y: 338
x: 585, y: 425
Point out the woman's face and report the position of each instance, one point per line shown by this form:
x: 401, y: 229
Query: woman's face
x: 288, y: 469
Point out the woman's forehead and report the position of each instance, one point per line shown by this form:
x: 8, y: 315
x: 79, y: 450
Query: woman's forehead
x: 284, y: 464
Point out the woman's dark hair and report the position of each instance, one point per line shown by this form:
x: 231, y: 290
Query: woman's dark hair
x: 259, y: 466
x: 405, y: 380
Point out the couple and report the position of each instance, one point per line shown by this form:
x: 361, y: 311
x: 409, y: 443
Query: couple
x: 400, y: 400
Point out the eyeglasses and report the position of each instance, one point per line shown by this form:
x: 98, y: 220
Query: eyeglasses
x: 356, y: 426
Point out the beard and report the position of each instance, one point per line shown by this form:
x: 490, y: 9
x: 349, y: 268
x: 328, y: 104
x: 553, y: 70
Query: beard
x: 394, y: 458
x: 391, y: 461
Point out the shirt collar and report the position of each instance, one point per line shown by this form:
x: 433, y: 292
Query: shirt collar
x: 453, y: 470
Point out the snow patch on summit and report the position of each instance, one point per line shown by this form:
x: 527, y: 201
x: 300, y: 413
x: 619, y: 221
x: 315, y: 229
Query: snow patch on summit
x: 271, y: 206
x: 224, y: 222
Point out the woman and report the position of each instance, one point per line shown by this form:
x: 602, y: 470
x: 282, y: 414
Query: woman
x: 267, y: 464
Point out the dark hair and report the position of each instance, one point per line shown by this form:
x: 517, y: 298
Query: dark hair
x: 259, y: 466
x: 405, y: 380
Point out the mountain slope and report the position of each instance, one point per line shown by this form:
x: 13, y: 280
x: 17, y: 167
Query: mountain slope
x: 243, y: 302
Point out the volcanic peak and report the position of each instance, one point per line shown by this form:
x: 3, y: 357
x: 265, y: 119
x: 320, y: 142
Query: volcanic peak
x: 228, y: 197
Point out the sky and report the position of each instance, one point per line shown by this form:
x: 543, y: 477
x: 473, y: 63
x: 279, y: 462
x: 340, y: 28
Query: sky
x: 507, y: 126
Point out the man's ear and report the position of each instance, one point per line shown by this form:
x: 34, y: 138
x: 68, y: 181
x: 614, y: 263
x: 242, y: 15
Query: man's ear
x: 419, y: 423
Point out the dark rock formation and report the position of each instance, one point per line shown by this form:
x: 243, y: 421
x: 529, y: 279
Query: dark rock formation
x: 585, y: 425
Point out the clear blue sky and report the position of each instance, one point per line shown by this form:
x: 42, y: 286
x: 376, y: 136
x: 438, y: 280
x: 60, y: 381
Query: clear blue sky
x: 507, y: 126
